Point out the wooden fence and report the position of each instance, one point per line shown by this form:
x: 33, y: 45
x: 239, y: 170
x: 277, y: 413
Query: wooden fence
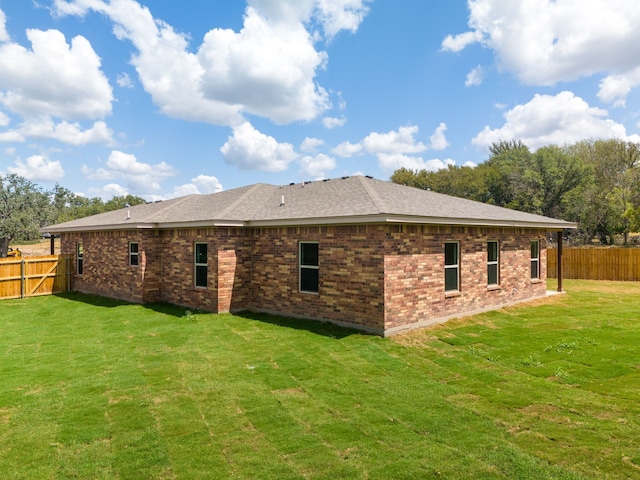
x: 595, y: 263
x: 35, y: 276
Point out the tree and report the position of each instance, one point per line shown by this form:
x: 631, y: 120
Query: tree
x: 24, y: 208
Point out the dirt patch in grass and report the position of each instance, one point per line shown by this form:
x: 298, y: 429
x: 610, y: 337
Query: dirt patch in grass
x: 38, y: 249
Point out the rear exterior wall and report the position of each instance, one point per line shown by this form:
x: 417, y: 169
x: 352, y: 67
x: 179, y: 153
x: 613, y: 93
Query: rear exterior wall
x: 379, y: 278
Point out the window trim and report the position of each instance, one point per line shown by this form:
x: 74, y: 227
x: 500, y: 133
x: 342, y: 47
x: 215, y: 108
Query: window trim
x: 535, y: 260
x: 302, y: 267
x: 133, y: 254
x: 197, y: 265
x: 491, y: 263
x: 452, y: 266
x: 79, y: 257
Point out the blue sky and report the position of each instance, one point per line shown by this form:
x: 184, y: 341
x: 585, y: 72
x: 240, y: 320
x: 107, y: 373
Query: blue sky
x: 159, y: 98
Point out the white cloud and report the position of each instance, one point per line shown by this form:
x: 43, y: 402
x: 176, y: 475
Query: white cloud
x: 391, y: 162
x: 311, y: 144
x: 333, y: 122
x: 268, y: 68
x: 38, y: 168
x: 394, y: 142
x: 560, y: 119
x: 455, y: 43
x: 65, y: 132
x: 615, y: 88
x: 4, y: 119
x: 201, y: 185
x: 544, y: 42
x: 124, y: 80
x: 316, y: 168
x: 338, y: 15
x: 53, y: 78
x: 438, y: 139
x: 4, y: 36
x: 141, y: 178
x: 249, y: 149
x: 474, y: 77
x: 109, y: 191
x: 347, y: 149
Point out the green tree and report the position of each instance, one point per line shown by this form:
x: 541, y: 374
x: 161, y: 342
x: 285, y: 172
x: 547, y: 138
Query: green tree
x: 24, y: 209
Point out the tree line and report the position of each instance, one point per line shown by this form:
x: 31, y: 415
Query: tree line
x: 25, y: 208
x: 595, y: 183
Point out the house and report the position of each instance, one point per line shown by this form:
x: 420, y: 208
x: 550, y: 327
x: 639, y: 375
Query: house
x: 355, y: 251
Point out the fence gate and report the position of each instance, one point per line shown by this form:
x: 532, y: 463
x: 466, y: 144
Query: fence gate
x: 35, y: 276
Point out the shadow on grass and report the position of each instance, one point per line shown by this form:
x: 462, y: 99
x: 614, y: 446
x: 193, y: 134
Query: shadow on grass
x: 316, y: 327
x: 105, y: 302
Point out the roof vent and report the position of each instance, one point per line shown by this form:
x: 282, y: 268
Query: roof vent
x: 282, y: 201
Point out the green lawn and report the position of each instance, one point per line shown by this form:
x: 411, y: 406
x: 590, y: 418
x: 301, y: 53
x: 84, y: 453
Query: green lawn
x: 94, y: 388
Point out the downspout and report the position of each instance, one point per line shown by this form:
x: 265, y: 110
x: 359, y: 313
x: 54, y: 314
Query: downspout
x: 559, y: 260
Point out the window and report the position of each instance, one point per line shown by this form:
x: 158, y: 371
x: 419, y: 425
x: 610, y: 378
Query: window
x: 535, y: 259
x: 451, y: 267
x: 80, y: 257
x: 134, y: 254
x: 201, y: 266
x: 493, y: 263
x: 309, y: 271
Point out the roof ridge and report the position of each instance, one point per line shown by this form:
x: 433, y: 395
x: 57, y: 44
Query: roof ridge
x: 372, y: 193
x: 170, y: 204
x: 240, y: 199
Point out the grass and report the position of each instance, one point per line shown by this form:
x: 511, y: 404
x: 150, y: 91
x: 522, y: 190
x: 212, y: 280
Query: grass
x: 95, y: 388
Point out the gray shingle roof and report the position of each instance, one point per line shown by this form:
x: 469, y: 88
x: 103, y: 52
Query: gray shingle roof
x: 344, y: 200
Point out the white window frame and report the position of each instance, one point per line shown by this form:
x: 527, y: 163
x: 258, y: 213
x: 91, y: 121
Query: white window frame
x: 302, y: 267
x: 535, y: 260
x: 452, y: 266
x: 134, y: 255
x: 79, y: 257
x: 199, y: 265
x: 493, y: 263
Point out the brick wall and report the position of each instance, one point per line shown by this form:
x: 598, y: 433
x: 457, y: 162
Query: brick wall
x: 375, y: 277
x: 414, y: 277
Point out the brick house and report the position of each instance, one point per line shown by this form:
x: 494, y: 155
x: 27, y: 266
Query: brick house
x: 355, y: 251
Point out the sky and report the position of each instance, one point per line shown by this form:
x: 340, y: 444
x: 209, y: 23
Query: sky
x: 160, y: 98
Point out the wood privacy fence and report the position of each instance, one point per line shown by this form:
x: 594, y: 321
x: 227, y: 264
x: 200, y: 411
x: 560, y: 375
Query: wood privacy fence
x: 595, y: 263
x: 35, y: 276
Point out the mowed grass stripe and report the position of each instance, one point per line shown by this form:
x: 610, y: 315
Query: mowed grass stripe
x: 95, y: 388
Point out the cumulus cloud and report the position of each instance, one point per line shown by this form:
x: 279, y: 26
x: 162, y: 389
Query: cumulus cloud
x: 474, y: 77
x: 268, y: 68
x: 317, y: 167
x: 394, y: 142
x: 311, y: 144
x: 53, y: 78
x: 333, y: 122
x: 398, y: 148
x: 544, y: 42
x: 391, y: 162
x: 4, y: 36
x: 249, y: 149
x: 140, y: 178
x: 200, y: 185
x: 438, y: 139
x: 124, y: 80
x: 38, y: 168
x: 65, y: 132
x: 347, y: 149
x: 559, y: 119
x: 109, y: 191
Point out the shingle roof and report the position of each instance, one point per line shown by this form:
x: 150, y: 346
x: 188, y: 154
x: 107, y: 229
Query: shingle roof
x: 356, y: 199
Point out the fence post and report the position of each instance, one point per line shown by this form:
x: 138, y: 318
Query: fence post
x: 22, y: 278
x: 559, y: 261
